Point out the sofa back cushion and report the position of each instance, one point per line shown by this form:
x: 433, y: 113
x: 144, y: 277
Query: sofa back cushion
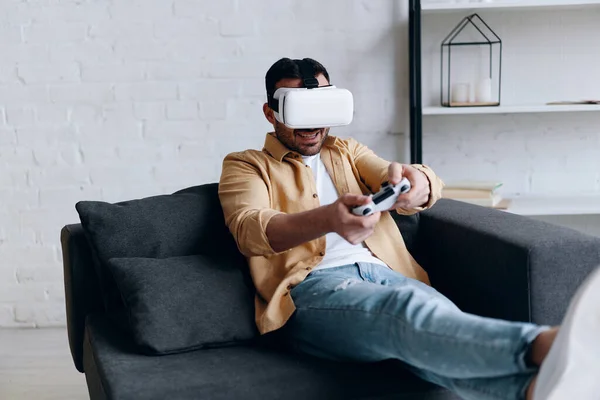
x: 409, y: 228
x: 184, y: 223
x: 184, y: 303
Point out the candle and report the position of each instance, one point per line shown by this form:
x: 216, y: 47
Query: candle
x: 483, y: 92
x: 460, y: 93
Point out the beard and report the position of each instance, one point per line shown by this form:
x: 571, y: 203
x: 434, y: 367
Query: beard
x: 307, y: 142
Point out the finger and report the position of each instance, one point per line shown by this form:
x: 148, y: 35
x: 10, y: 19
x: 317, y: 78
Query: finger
x: 372, y: 219
x: 359, y: 222
x: 403, y: 200
x: 360, y: 237
x: 409, y: 173
x: 412, y: 200
x: 418, y: 179
x: 352, y: 200
x: 395, y: 173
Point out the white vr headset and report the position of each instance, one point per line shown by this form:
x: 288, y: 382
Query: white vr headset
x: 312, y: 106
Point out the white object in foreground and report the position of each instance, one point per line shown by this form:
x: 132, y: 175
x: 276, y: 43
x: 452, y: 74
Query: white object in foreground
x: 384, y: 199
x: 570, y: 371
x: 322, y: 107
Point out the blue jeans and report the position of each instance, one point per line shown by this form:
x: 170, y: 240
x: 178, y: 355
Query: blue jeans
x: 367, y: 312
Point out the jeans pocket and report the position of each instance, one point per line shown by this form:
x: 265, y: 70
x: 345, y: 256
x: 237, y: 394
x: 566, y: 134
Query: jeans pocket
x: 362, y: 273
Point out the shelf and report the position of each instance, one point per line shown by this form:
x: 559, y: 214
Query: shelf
x: 541, y: 108
x: 505, y: 5
x: 555, y: 205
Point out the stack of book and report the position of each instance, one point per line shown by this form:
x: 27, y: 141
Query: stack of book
x: 481, y: 193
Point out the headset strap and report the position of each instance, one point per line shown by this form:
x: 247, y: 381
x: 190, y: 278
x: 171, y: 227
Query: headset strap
x: 273, y: 104
x: 307, y: 71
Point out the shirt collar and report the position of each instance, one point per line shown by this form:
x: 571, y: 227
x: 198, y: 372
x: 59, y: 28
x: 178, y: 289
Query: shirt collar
x: 278, y: 151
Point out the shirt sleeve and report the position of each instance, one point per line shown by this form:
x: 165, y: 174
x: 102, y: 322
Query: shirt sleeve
x: 373, y: 171
x: 244, y: 196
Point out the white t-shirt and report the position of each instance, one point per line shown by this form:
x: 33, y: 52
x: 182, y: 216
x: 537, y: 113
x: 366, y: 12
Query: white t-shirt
x: 338, y: 251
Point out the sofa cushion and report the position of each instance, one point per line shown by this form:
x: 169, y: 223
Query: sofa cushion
x: 183, y: 303
x: 409, y: 228
x: 179, y: 224
x: 240, y: 372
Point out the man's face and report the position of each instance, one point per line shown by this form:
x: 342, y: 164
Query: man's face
x: 307, y: 142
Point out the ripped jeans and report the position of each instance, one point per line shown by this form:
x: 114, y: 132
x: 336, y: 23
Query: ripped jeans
x: 367, y: 312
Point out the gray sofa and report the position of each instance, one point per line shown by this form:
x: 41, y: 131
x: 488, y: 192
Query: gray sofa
x: 159, y: 302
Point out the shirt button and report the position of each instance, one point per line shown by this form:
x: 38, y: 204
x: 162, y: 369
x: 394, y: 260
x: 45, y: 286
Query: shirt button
x: 315, y: 195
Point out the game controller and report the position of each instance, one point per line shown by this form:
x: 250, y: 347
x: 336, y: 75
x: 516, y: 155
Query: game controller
x: 384, y: 199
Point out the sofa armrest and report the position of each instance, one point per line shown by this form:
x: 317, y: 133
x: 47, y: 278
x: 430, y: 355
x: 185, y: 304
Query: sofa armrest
x: 82, y: 292
x: 502, y: 265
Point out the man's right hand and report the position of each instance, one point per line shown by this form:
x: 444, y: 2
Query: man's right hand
x: 355, y: 229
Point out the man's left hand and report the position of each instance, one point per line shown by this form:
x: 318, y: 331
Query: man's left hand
x: 418, y: 195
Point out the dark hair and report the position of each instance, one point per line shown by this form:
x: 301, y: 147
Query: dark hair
x: 288, y: 68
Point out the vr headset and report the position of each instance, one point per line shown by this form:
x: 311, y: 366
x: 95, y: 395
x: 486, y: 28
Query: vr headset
x: 312, y: 106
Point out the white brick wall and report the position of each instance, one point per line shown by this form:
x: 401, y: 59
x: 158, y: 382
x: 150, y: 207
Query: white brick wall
x: 112, y: 100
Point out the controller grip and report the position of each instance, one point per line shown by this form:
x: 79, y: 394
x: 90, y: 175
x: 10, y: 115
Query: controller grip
x: 365, y: 210
x: 383, y: 197
x: 404, y: 185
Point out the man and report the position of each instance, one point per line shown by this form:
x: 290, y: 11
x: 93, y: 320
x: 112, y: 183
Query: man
x: 345, y: 286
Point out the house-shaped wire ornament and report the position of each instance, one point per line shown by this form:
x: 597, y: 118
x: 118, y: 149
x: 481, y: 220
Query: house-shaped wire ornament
x: 478, y: 69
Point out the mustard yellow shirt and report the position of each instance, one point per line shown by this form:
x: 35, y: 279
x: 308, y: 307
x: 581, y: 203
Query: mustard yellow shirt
x: 257, y: 185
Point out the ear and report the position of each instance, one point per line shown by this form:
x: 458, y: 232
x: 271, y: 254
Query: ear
x: 268, y: 111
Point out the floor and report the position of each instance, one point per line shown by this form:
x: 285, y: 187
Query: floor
x: 36, y: 364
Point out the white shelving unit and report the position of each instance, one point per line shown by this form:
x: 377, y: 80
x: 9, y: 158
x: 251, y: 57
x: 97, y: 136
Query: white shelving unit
x: 550, y: 205
x: 506, y: 5
x: 467, y: 6
x: 510, y: 109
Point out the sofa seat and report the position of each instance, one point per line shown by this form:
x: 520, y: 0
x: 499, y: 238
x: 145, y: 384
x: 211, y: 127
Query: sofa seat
x: 115, y: 371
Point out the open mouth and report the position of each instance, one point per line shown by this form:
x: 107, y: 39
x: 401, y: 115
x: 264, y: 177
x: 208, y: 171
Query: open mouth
x: 307, y: 134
